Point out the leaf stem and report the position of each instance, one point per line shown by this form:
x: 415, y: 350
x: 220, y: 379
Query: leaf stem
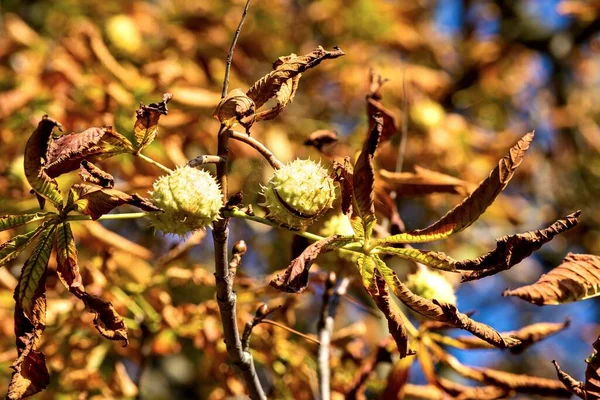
x: 82, y: 217
x: 258, y: 146
x: 154, y: 162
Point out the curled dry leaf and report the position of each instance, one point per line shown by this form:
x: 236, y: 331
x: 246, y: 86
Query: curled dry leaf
x: 592, y: 373
x: 375, y: 107
x: 92, y: 174
x: 363, y: 180
x: 94, y: 144
x: 30, y: 374
x: 285, y: 68
x: 235, y: 108
x: 528, y: 335
x: 96, y: 201
x: 469, y: 210
x: 108, y: 322
x: 577, y: 278
x: 423, y: 182
x: 35, y: 161
x: 574, y: 386
x: 344, y: 176
x: 146, y: 123
x: 284, y: 95
x: 295, y: 277
x: 512, y: 249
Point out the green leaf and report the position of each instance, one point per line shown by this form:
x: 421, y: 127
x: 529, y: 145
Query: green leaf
x: 146, y: 123
x: 12, y: 221
x: 471, y: 208
x: 34, y: 271
x: 11, y: 249
x: 366, y: 267
x: 432, y: 259
x: 358, y: 228
x: 35, y: 158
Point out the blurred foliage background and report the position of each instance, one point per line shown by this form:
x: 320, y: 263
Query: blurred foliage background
x: 467, y: 77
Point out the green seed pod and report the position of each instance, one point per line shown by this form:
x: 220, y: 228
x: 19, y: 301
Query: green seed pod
x: 190, y: 198
x: 298, y: 194
x: 431, y: 285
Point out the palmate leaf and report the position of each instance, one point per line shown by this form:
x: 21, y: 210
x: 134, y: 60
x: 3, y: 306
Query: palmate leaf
x: 66, y: 153
x: 35, y: 159
x: 96, y: 201
x: 108, y: 322
x: 443, y: 312
x: 363, y: 179
x: 146, y: 123
x: 12, y: 248
x: 30, y: 374
x: 295, y: 277
x: 577, y: 278
x: 469, y: 210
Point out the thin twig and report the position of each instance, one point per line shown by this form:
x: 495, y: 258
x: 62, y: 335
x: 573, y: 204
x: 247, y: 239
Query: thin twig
x: 202, y: 160
x: 154, y: 162
x: 404, y: 130
x: 287, y: 328
x: 331, y: 300
x: 258, y: 146
x: 231, y: 48
x: 261, y: 313
x: 226, y: 298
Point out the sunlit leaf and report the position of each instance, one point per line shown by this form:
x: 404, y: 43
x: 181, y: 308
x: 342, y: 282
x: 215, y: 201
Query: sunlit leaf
x: 423, y: 182
x: 469, y: 210
x: 236, y: 108
x: 35, y: 160
x: 146, y: 124
x: 96, y: 201
x: 432, y: 259
x: 577, y: 278
x: 94, y: 144
x: 12, y: 221
x: 284, y: 95
x: 571, y: 384
x: 108, y: 322
x: 512, y: 249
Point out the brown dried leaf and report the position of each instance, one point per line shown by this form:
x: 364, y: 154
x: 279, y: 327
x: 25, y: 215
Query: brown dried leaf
x: 512, y: 249
x: 322, y: 140
x: 592, y: 374
x: 344, y: 176
x: 108, y: 322
x: 444, y: 312
x: 364, y: 178
x: 30, y: 374
x: 577, y: 278
x: 35, y: 161
x: 94, y: 144
x: 96, y: 201
x: 235, y: 108
x: 91, y: 173
x: 284, y: 96
x: 375, y: 107
x: 574, y: 386
x: 528, y: 335
x: 295, y: 277
x: 287, y: 67
x: 356, y: 387
x: 146, y: 123
x: 463, y: 392
x: 381, y: 294
x: 465, y: 213
x: 423, y: 182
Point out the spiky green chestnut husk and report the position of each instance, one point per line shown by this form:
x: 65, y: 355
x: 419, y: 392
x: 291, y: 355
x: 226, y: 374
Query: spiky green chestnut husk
x: 431, y: 285
x: 298, y: 194
x: 190, y: 198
